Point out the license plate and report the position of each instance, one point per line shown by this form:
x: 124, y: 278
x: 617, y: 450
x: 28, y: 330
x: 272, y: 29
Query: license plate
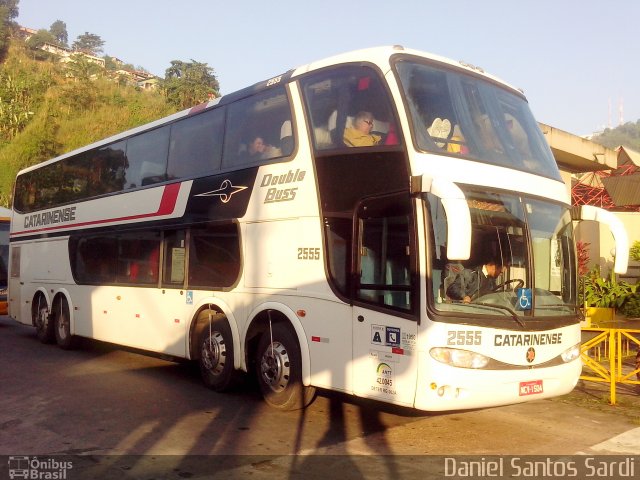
x: 531, y: 388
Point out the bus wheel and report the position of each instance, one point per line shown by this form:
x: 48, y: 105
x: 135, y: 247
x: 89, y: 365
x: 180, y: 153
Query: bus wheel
x: 216, y: 355
x: 41, y: 319
x: 62, y: 324
x: 279, y: 370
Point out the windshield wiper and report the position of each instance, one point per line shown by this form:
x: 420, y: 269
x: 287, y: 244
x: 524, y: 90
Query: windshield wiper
x: 514, y: 315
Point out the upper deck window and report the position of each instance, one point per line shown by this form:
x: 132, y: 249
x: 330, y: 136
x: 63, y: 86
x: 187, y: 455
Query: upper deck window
x: 459, y: 114
x: 259, y: 129
x: 349, y: 106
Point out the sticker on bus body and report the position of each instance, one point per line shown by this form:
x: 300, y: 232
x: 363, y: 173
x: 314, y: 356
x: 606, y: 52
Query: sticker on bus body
x: 531, y: 388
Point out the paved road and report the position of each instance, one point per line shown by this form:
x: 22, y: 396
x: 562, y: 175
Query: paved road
x: 100, y: 401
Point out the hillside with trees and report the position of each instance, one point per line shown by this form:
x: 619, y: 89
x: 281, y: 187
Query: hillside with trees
x: 627, y: 135
x: 49, y: 107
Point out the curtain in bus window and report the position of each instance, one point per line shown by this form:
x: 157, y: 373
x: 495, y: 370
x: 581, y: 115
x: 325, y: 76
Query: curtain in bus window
x: 258, y: 129
x: 138, y: 258
x: 214, y: 257
x: 196, y: 144
x: 147, y: 158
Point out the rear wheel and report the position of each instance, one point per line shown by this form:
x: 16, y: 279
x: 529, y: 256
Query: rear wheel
x: 41, y: 319
x: 61, y: 319
x: 216, y: 353
x: 279, y: 370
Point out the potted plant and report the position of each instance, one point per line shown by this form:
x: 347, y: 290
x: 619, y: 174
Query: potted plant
x: 603, y: 295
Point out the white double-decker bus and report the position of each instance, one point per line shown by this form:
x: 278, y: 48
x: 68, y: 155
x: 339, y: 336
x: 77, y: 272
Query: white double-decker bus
x: 308, y: 230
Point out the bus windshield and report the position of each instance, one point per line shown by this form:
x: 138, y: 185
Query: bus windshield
x: 522, y: 262
x: 463, y: 115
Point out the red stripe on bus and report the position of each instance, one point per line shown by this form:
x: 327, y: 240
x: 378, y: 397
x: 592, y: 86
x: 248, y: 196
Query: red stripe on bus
x: 167, y: 206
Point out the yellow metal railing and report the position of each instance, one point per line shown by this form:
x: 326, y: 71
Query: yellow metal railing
x: 603, y: 355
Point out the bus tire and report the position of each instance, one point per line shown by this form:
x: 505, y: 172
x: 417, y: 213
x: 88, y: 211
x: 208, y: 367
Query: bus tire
x: 279, y: 370
x: 61, y: 320
x: 41, y: 319
x: 216, y: 355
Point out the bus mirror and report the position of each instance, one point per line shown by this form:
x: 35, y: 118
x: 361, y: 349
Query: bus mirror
x: 621, y: 258
x: 458, y: 214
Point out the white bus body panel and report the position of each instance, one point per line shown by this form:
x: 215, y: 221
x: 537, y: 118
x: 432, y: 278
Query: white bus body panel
x: 444, y: 387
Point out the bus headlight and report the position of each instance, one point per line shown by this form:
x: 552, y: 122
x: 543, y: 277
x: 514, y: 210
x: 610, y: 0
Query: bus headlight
x: 571, y: 354
x: 459, y: 358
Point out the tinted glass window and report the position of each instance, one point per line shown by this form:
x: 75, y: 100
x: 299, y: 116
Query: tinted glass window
x: 175, y: 254
x: 214, y: 256
x: 259, y: 128
x: 349, y: 106
x: 147, y: 158
x: 196, y: 144
x: 138, y: 258
x: 94, y: 259
x: 131, y: 258
x: 459, y: 114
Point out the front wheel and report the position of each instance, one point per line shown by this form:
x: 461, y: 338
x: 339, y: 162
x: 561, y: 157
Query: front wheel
x: 279, y: 370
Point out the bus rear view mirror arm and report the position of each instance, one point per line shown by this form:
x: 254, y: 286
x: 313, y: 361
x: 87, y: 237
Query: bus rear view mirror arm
x: 621, y: 258
x: 457, y: 210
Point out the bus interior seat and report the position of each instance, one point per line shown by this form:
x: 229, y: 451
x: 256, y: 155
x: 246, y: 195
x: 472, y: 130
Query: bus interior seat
x: 286, y: 138
x: 452, y: 271
x: 379, y: 126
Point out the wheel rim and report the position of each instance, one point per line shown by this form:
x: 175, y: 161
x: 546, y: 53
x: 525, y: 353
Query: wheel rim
x: 275, y: 367
x: 41, y: 318
x: 214, y: 353
x: 63, y: 326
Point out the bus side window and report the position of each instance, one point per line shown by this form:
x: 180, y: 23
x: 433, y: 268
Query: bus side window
x: 258, y: 128
x: 175, y: 248
x: 214, y: 256
x: 138, y: 258
x: 196, y: 144
x: 147, y: 158
x: 385, y: 260
x: 93, y: 259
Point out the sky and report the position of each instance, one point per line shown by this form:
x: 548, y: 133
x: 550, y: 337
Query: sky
x: 578, y: 61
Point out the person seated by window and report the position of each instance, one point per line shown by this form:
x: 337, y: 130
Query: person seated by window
x: 359, y: 135
x: 259, y: 149
x: 470, y: 284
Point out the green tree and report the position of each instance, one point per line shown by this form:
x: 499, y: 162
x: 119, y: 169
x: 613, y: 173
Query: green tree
x: 627, y: 134
x: 189, y: 83
x: 88, y: 43
x: 8, y: 11
x: 40, y: 38
x: 59, y: 30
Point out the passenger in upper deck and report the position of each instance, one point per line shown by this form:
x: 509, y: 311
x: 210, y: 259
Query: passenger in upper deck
x: 259, y: 149
x: 359, y: 135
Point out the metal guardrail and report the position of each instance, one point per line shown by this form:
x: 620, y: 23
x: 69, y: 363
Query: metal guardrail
x: 603, y: 354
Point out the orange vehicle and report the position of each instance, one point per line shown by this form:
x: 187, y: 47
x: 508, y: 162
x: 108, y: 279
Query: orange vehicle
x: 4, y: 257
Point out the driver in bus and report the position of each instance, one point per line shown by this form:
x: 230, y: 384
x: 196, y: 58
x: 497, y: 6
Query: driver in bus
x: 473, y: 283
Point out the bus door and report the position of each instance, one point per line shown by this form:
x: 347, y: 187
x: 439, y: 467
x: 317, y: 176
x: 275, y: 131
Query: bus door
x: 385, y: 296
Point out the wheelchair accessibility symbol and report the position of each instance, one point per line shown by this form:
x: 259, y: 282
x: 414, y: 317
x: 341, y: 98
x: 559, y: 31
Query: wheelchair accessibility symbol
x: 524, y: 299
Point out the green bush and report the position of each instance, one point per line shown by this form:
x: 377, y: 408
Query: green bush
x: 631, y: 307
x: 634, y: 251
x: 604, y: 292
